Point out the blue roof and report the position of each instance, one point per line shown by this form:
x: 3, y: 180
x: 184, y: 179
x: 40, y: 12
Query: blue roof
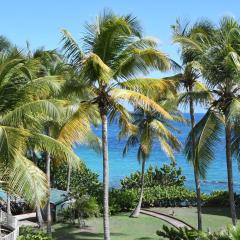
x: 58, y: 196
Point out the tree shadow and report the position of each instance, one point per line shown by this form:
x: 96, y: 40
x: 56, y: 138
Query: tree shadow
x: 219, y: 211
x: 73, y: 233
x: 144, y: 238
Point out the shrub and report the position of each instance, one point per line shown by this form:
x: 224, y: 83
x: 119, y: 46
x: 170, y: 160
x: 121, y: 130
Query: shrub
x: 181, y: 234
x: 125, y: 200
x: 82, y: 207
x: 167, y: 175
x: 81, y: 180
x: 28, y: 233
x: 219, y: 198
x: 122, y: 200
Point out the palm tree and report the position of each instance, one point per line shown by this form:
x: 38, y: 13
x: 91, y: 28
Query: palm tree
x: 53, y: 66
x: 219, y: 54
x: 192, y: 92
x: 152, y: 127
x: 112, y: 53
x: 23, y: 107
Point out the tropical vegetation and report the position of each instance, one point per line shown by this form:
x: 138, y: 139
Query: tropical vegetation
x: 51, y: 100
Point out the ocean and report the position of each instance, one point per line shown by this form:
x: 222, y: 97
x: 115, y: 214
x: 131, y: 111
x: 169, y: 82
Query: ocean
x: 123, y: 166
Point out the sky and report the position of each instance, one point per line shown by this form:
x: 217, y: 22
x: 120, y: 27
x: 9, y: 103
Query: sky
x: 40, y: 21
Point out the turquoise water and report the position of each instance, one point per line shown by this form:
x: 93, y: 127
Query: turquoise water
x: 121, y: 167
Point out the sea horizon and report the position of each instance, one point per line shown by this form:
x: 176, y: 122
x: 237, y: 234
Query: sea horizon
x: 123, y: 166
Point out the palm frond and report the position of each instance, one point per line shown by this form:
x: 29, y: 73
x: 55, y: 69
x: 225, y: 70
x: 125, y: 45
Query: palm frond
x: 71, y: 48
x: 37, y: 109
x: 149, y: 86
x: 207, y: 134
x: 58, y: 150
x: 139, y: 100
x: 25, y: 180
x: 77, y: 128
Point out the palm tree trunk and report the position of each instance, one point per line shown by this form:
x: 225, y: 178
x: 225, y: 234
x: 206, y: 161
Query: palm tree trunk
x: 136, y: 211
x: 9, y: 204
x: 48, y: 173
x: 195, y: 165
x: 230, y: 174
x: 69, y: 178
x: 39, y: 217
x: 105, y: 176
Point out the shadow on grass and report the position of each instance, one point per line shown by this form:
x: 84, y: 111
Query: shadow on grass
x: 219, y: 211
x: 73, y: 233
x: 144, y: 238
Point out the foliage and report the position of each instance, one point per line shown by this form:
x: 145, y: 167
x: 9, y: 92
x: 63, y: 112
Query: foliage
x: 180, y: 234
x: 27, y: 103
x: 219, y: 199
x: 82, y: 180
x: 231, y: 233
x: 167, y: 175
x: 158, y: 196
x: 28, y: 233
x: 81, y: 206
x: 172, y: 196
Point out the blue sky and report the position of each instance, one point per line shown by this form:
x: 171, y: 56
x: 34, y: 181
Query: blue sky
x: 40, y: 21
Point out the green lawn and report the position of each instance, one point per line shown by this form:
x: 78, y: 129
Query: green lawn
x: 122, y: 227
x: 142, y: 228
x: 213, y: 218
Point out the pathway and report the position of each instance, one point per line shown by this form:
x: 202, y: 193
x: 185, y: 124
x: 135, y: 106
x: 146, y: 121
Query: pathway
x: 167, y: 218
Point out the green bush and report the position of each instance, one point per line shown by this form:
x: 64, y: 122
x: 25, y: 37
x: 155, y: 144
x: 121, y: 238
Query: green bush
x: 167, y: 175
x: 181, y: 234
x: 122, y: 200
x: 82, y: 207
x: 81, y: 180
x: 28, y: 233
x: 219, y: 198
x: 126, y: 200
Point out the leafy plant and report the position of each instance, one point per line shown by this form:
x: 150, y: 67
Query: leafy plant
x: 28, y: 233
x: 181, y: 234
x: 167, y: 175
x: 81, y: 180
x: 231, y: 233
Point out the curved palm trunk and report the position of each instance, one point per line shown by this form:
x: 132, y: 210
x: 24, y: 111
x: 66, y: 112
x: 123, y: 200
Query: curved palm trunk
x: 69, y: 178
x: 195, y: 166
x: 136, y: 211
x: 48, y: 173
x: 230, y: 174
x: 105, y: 176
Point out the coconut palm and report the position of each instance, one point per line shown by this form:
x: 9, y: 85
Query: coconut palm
x: 52, y: 66
x: 113, y: 51
x: 152, y: 127
x: 192, y: 91
x: 22, y: 111
x: 219, y: 54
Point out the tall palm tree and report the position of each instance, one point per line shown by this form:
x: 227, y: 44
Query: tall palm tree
x: 113, y: 51
x: 192, y: 91
x: 152, y: 127
x: 53, y: 66
x: 219, y: 54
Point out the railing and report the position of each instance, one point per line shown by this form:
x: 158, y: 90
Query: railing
x: 11, y: 222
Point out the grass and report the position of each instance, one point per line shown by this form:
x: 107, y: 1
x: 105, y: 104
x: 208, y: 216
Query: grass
x: 214, y: 219
x: 144, y: 227
x: 122, y: 227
